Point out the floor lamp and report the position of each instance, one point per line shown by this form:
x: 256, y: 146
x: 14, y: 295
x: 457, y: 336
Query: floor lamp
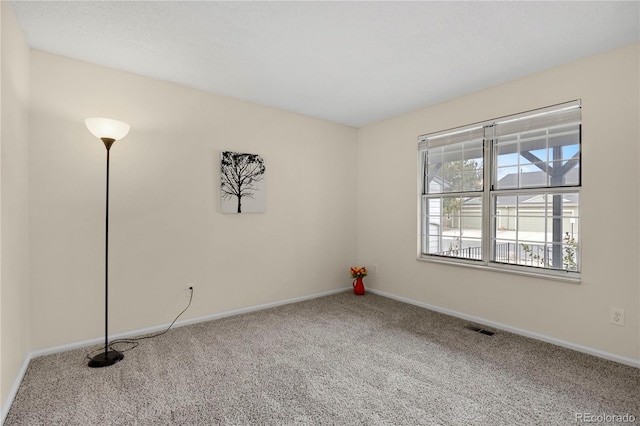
x: 108, y: 131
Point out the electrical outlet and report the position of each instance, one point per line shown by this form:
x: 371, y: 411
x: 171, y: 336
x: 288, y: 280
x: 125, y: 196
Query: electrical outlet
x: 374, y: 268
x: 189, y: 290
x: 617, y: 316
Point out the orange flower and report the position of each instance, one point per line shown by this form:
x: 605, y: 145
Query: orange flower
x: 358, y: 271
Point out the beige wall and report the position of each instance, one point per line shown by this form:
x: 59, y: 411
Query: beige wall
x: 608, y: 85
x: 166, y: 229
x: 14, y: 87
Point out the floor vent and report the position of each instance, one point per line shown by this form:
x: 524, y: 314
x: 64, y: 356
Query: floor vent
x: 480, y: 330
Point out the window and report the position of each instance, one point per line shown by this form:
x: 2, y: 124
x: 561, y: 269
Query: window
x: 505, y: 193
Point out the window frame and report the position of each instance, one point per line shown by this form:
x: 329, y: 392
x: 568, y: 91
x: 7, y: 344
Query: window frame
x: 488, y: 196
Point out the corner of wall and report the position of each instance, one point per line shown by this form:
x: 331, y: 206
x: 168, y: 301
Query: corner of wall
x: 14, y: 117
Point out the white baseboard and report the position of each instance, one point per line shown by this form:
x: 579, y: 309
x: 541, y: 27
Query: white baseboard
x: 132, y: 333
x: 4, y: 410
x: 585, y: 349
x: 139, y: 332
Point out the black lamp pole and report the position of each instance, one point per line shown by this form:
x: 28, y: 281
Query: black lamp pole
x: 107, y: 357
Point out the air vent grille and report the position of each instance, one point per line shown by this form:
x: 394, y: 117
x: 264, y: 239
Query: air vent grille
x: 480, y: 330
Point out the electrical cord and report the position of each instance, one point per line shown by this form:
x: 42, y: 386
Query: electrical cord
x: 135, y: 341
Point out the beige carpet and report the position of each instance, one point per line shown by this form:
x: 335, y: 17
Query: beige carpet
x: 335, y: 360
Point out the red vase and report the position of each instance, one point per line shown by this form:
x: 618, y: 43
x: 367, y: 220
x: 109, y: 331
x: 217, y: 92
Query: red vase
x: 358, y: 286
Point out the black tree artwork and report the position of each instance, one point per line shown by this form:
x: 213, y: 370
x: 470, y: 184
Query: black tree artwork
x: 241, y: 175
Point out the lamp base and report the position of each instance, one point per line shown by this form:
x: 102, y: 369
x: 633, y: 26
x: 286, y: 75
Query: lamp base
x: 105, y: 359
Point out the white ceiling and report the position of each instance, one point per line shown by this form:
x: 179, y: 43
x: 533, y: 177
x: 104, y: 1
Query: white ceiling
x: 349, y: 62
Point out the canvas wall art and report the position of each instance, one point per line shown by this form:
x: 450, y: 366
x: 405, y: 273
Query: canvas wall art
x: 242, y: 184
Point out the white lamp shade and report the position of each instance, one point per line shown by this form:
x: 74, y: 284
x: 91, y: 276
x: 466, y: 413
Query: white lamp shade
x: 107, y: 128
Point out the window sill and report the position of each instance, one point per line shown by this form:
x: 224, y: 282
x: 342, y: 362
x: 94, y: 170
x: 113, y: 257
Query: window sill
x: 568, y: 277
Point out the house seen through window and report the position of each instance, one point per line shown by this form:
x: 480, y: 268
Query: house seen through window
x: 505, y: 193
